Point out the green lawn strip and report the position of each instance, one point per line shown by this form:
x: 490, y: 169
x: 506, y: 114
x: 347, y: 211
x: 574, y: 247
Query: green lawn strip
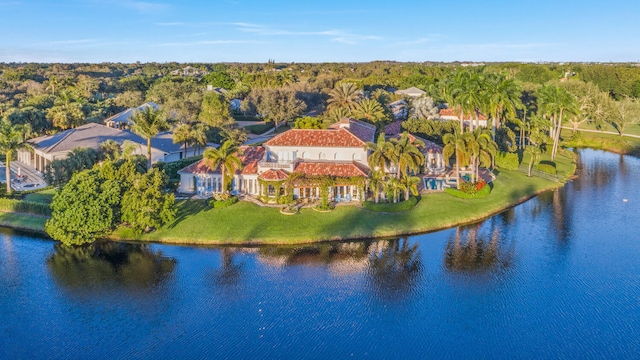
x: 613, y: 143
x: 248, y: 223
x: 258, y: 129
x: 633, y: 129
x: 21, y: 221
x: 44, y: 196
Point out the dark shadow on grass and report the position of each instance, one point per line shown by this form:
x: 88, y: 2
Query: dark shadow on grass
x: 188, y: 208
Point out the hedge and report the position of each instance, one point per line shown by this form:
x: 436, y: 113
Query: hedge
x: 484, y: 192
x: 219, y: 204
x: 172, y: 168
x: 27, y: 207
x: 548, y: 167
x: 391, y: 207
x: 508, y: 161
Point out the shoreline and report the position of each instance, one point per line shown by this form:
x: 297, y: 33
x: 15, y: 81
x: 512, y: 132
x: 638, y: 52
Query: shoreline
x: 435, y: 212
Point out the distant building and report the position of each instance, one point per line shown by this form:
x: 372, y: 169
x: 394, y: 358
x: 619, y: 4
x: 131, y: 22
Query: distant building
x: 122, y: 120
x: 454, y: 114
x: 413, y: 92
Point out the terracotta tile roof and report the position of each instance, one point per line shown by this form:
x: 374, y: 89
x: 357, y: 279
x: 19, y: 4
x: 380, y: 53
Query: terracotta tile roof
x: 316, y: 138
x: 272, y: 174
x: 338, y: 169
x: 250, y: 157
x: 456, y: 113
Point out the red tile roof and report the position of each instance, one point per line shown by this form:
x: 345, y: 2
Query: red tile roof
x: 364, y: 131
x: 456, y: 112
x: 338, y: 169
x: 250, y: 157
x: 272, y: 174
x: 346, y: 133
x: 429, y: 146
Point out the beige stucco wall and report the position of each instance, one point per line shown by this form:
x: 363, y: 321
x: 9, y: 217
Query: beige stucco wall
x: 318, y: 153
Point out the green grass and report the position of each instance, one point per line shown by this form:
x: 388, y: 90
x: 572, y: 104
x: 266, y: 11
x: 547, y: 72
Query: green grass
x: 633, y: 129
x: 614, y: 143
x: 23, y: 222
x: 483, y: 193
x: 246, y: 222
x: 258, y: 129
x: 391, y: 207
x: 44, y: 196
x: 245, y: 118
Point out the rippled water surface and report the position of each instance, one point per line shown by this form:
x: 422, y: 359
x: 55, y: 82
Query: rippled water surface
x: 558, y: 276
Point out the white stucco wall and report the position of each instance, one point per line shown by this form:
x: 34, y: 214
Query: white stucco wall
x: 318, y: 153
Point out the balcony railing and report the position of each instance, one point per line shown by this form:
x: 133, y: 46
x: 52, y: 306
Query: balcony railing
x: 282, y: 164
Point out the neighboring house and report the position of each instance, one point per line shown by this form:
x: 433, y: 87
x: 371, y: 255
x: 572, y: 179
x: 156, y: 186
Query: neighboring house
x: 122, y: 120
x: 413, y: 92
x: 399, y: 109
x: 235, y: 105
x: 338, y: 151
x: 57, y: 147
x: 454, y: 114
x: 188, y: 71
x: 217, y: 90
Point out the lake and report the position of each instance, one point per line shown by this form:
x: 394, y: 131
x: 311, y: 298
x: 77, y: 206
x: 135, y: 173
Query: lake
x: 555, y: 277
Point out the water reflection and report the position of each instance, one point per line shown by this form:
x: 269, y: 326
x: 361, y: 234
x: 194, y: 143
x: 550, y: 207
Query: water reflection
x: 473, y: 252
x: 230, y: 272
x: 395, y: 269
x: 131, y: 267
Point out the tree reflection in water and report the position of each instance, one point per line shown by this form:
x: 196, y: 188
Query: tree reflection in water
x: 106, y: 264
x: 395, y: 269
x: 230, y: 273
x: 471, y: 252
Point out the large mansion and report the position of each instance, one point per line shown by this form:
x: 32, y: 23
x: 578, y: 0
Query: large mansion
x: 302, y: 157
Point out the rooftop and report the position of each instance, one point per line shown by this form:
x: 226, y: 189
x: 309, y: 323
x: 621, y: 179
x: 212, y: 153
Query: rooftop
x: 250, y: 157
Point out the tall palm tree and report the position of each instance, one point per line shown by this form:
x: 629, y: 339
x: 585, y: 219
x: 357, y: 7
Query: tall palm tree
x: 345, y: 95
x: 407, y: 155
x: 454, y: 144
x: 376, y: 179
x: 227, y: 157
x: 379, y: 160
x: 198, y: 135
x: 454, y: 93
x: 466, y: 93
x: 12, y: 138
x: 481, y: 150
x: 502, y: 98
x: 148, y: 123
x: 555, y: 102
x: 410, y: 186
x: 534, y: 152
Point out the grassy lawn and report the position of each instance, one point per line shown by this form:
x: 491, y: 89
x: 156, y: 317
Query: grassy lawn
x: 44, y: 196
x: 246, y: 222
x: 23, y: 221
x: 615, y: 143
x: 633, y: 129
x: 258, y: 129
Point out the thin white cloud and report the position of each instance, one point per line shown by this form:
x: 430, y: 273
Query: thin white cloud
x: 208, y: 42
x: 340, y: 36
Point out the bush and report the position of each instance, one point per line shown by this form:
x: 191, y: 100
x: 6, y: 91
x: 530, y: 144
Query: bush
x: 391, y: 207
x: 172, y: 168
x: 21, y: 206
x: 484, y: 192
x: 222, y: 201
x: 548, y: 167
x: 508, y: 161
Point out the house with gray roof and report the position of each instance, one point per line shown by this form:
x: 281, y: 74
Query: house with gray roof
x: 122, y: 120
x: 413, y: 92
x: 46, y: 149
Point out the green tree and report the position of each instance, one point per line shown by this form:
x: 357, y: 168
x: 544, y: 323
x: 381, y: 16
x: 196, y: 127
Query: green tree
x: 12, y: 138
x: 182, y: 134
x: 480, y: 149
x: 145, y: 206
x: 226, y: 157
x: 274, y: 104
x: 148, y: 123
x: 83, y: 210
x: 180, y: 100
x: 215, y: 110
x: 555, y: 102
x: 370, y: 111
x: 534, y: 156
x: 380, y: 159
x: 345, y: 95
x: 454, y: 144
x: 219, y: 78
x: 502, y: 98
x: 628, y: 112
x: 407, y: 155
x: 308, y: 122
x: 66, y: 112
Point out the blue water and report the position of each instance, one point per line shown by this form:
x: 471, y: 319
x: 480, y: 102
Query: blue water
x: 556, y: 277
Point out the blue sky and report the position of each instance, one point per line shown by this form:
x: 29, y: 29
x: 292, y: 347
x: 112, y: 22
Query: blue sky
x: 318, y: 31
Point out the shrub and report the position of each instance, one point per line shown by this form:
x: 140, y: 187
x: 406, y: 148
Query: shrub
x: 219, y: 202
x: 28, y: 207
x: 484, y: 192
x: 172, y: 168
x: 508, y: 161
x: 468, y: 187
x: 391, y: 207
x: 548, y: 167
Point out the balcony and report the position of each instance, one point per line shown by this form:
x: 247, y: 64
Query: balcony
x: 264, y: 165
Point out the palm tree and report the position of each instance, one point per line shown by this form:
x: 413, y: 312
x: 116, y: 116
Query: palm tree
x: 555, y: 102
x: 481, y: 149
x: 534, y: 152
x: 454, y: 144
x: 370, y: 111
x: 502, y: 98
x: 148, y: 123
x: 182, y: 134
x: 12, y: 138
x: 410, y: 186
x: 407, y: 154
x: 198, y: 135
x: 376, y: 179
x: 334, y: 115
x: 379, y: 160
x: 227, y: 157
x: 345, y: 95
x: 466, y: 94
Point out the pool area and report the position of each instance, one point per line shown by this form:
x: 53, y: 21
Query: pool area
x: 438, y: 183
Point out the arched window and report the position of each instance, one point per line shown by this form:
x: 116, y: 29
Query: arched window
x: 322, y: 156
x: 356, y: 157
x: 305, y: 155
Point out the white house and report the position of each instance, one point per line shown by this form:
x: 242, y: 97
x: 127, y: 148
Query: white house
x: 122, y: 120
x: 454, y: 114
x: 413, y: 92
